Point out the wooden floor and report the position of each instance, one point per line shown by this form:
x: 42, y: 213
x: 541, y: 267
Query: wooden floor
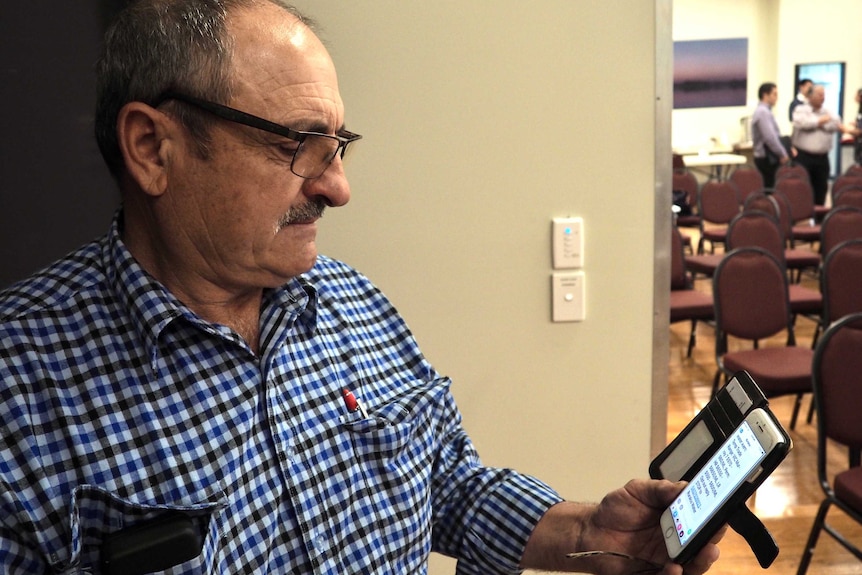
x: 788, y: 500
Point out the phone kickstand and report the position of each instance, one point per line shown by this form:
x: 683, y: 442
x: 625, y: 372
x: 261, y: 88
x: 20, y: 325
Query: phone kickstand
x: 755, y: 534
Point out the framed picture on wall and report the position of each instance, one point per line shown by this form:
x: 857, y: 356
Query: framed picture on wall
x: 710, y: 73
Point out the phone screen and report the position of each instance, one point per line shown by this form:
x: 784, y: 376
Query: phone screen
x: 713, y: 485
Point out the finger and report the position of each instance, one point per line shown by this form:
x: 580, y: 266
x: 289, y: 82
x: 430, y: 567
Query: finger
x: 703, y: 560
x: 719, y: 535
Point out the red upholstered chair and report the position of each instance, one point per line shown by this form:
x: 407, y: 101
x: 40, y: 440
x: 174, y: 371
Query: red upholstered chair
x: 751, y: 303
x: 791, y: 171
x: 800, y: 199
x: 836, y: 367
x: 760, y: 229
x: 686, y: 303
x: 717, y: 203
x: 748, y: 181
x: 796, y: 171
x: 848, y: 196
x: 685, y: 181
x: 845, y: 181
x: 842, y: 223
x: 776, y: 205
x: 841, y: 282
x: 703, y: 264
x: 853, y: 170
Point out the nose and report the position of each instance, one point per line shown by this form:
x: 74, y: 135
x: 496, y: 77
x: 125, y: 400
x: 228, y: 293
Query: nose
x: 332, y: 186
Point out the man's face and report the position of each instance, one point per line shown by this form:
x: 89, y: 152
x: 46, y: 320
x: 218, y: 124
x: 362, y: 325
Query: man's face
x: 236, y: 207
x: 818, y: 95
x: 772, y: 97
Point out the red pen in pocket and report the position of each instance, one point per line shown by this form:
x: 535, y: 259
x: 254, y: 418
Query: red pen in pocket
x: 353, y: 404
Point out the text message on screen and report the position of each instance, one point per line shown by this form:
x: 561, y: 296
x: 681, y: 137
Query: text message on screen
x: 722, y: 474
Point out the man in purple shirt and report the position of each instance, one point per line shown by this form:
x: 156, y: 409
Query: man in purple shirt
x: 768, y: 151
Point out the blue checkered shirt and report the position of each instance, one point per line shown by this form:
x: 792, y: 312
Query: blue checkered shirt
x: 119, y: 404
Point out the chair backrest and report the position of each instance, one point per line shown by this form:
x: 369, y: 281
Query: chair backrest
x: 835, y: 369
x: 842, y: 223
x: 747, y: 180
x: 756, y: 228
x: 718, y: 201
x: 848, y: 196
x: 784, y: 217
x: 775, y: 204
x: 685, y: 180
x: 791, y: 171
x: 853, y: 170
x: 845, y: 181
x: 750, y: 292
x: 841, y: 281
x: 678, y: 277
x: 800, y: 197
x: 763, y: 202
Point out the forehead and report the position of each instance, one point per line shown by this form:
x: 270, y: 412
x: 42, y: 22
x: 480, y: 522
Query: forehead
x: 281, y: 70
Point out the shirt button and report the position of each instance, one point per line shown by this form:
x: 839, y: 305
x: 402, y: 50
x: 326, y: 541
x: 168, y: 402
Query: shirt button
x: 320, y: 542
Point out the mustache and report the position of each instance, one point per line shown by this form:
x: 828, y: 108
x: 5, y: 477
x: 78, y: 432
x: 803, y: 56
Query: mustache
x: 310, y: 210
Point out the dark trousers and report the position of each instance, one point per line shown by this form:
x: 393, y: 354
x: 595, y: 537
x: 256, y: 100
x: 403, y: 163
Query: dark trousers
x: 767, y: 169
x: 817, y: 166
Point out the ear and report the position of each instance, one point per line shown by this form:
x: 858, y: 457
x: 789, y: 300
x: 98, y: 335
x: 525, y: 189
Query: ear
x: 143, y: 133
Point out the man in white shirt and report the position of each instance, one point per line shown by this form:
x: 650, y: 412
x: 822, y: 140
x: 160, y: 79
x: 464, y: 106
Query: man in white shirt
x: 814, y: 128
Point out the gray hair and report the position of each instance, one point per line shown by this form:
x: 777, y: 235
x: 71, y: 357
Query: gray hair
x: 812, y: 88
x: 155, y: 46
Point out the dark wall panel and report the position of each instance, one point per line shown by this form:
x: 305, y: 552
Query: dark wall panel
x: 55, y: 193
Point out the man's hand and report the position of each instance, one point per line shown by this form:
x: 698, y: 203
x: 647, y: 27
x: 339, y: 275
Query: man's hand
x: 626, y: 521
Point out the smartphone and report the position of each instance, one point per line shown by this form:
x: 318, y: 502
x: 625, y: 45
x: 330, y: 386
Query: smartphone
x: 726, y: 481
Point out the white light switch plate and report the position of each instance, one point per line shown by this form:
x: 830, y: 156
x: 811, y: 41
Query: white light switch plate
x: 568, y: 296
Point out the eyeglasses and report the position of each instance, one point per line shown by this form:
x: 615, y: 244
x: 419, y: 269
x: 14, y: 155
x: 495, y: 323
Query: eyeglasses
x: 315, y: 152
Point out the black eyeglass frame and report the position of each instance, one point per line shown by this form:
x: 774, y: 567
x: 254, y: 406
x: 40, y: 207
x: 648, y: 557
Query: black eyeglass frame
x: 343, y: 137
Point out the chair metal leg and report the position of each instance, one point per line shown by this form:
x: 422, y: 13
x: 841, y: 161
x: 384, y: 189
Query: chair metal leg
x: 796, y: 407
x: 812, y: 538
x: 692, y: 339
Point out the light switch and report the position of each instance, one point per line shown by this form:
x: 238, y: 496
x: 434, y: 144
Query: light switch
x: 567, y: 296
x: 568, y: 243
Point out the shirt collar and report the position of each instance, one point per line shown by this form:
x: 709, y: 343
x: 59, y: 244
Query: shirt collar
x: 151, y: 307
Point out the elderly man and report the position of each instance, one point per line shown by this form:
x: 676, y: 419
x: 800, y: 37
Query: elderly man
x: 200, y: 372
x: 814, y: 129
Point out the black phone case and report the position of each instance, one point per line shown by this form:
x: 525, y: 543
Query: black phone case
x: 154, y: 545
x: 700, y: 439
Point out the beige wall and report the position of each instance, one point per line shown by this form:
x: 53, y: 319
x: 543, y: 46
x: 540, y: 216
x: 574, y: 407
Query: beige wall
x: 781, y: 33
x: 482, y: 121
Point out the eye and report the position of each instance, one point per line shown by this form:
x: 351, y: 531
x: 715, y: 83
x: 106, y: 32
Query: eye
x: 287, y: 148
